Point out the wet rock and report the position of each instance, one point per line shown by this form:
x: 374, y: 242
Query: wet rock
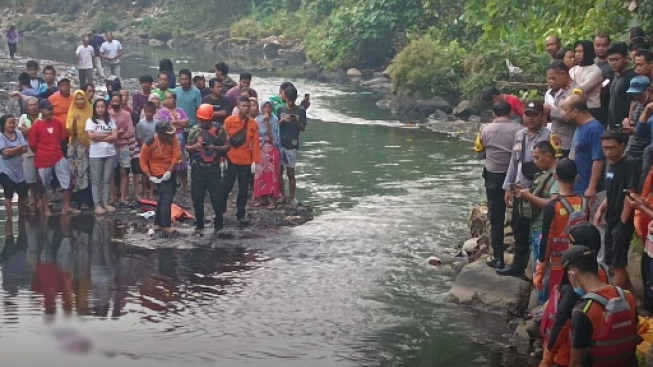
x: 527, y: 329
x: 441, y: 116
x: 474, y: 119
x: 479, y: 286
x: 471, y: 246
x: 333, y: 76
x: 428, y: 106
x: 386, y: 104
x: 354, y: 73
x: 153, y: 42
x: 434, y: 261
x: 279, y: 63
x: 463, y: 110
x: 380, y: 84
x: 309, y: 74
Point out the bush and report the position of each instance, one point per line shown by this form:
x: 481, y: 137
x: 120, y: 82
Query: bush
x: 486, y: 65
x: 246, y: 28
x: 106, y: 22
x: 29, y: 23
x: 428, y: 67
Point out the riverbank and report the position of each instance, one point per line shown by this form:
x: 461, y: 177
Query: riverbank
x: 137, y: 229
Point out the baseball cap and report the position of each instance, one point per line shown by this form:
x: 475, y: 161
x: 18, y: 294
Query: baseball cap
x: 45, y: 105
x: 534, y: 106
x: 638, y: 85
x: 63, y: 80
x: 165, y: 127
x: 576, y: 253
x: 585, y: 234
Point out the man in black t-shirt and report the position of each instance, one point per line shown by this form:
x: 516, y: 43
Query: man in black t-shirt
x: 292, y: 121
x: 619, y: 99
x: 621, y: 177
x: 221, y: 105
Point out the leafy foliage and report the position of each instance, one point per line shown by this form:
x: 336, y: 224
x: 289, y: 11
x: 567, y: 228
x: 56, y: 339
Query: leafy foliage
x: 428, y: 67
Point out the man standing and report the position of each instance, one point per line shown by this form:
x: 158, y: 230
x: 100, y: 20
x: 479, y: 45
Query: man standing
x: 84, y: 55
x: 601, y: 46
x: 111, y: 52
x: 243, y: 156
x: 292, y: 121
x: 189, y: 97
x: 640, y: 92
x: 643, y: 62
x: 494, y: 143
x: 221, y: 106
x: 221, y: 72
x: 619, y: 99
x: 206, y: 144
x: 158, y: 160
x: 96, y: 41
x: 61, y: 101
x: 200, y: 83
x: 598, y: 332
x: 49, y: 85
x: 520, y: 175
x: 245, y: 82
x: 587, y: 153
x: 25, y: 123
x: 558, y: 78
x: 163, y: 85
x: 46, y: 136
x: 622, y: 177
x: 552, y: 45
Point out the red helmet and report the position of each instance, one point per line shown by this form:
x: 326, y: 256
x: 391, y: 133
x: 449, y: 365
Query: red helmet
x: 205, y: 112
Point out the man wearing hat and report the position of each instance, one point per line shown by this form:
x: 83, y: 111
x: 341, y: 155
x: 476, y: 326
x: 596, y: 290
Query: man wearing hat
x: 159, y: 157
x: 45, y: 139
x: 590, y: 344
x: 520, y: 175
x: 640, y: 91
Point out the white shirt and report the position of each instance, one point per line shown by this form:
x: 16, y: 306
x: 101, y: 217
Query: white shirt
x: 111, y: 51
x: 85, y: 57
x: 101, y: 149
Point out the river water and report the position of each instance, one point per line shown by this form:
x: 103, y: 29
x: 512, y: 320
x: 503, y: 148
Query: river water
x: 351, y: 288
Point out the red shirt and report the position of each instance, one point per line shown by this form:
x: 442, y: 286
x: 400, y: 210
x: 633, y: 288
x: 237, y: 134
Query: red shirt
x: 45, y: 139
x: 516, y: 104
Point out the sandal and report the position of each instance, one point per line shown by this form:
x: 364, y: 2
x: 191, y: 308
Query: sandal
x: 71, y: 211
x: 272, y: 206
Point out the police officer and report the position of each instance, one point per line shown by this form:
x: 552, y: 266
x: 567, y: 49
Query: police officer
x: 206, y: 145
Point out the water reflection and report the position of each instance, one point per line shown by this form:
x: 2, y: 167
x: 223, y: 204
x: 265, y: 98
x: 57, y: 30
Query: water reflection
x: 75, y: 265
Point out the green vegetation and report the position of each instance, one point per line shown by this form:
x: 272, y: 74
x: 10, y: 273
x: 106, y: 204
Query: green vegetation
x: 448, y: 47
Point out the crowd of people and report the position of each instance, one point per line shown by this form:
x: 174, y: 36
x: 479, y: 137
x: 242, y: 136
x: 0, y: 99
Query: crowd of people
x: 575, y: 167
x: 105, y: 153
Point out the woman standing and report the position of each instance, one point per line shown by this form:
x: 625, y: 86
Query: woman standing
x: 12, y: 40
x: 266, y: 177
x: 78, y: 142
x: 165, y: 65
x: 12, y: 146
x: 103, y: 134
x: 588, y: 76
x: 179, y: 120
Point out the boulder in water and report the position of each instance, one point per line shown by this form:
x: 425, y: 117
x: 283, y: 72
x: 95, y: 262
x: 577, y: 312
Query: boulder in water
x: 441, y: 116
x: 463, y: 110
x: 153, y: 42
x: 471, y: 246
x: 479, y: 286
x: 354, y: 73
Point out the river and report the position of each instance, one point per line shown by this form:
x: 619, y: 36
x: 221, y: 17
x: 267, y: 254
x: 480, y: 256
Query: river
x: 351, y: 288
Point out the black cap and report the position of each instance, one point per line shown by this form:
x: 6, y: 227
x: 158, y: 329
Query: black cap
x: 585, y: 234
x: 534, y: 106
x: 576, y: 253
x: 165, y: 127
x: 45, y: 105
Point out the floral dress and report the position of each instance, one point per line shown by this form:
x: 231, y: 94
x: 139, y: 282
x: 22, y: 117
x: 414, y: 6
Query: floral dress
x: 266, y: 177
x: 166, y: 115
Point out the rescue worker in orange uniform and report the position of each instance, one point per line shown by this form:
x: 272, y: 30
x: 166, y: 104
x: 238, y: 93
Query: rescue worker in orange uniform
x: 604, y: 322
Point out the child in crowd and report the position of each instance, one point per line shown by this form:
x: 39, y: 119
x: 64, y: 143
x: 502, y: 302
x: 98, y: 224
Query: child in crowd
x: 145, y: 130
x: 140, y: 98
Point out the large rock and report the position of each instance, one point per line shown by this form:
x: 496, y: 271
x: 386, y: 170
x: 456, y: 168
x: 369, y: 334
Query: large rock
x: 153, y: 42
x: 386, y: 104
x: 354, y: 73
x: 463, y: 110
x: 333, y: 76
x: 427, y: 107
x: 479, y: 286
x: 380, y: 83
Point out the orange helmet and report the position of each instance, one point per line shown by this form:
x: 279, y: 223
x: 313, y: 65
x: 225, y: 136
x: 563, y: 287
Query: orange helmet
x: 205, y: 112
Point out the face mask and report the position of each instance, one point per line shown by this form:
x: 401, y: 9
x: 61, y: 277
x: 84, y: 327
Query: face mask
x: 579, y: 291
x: 115, y: 106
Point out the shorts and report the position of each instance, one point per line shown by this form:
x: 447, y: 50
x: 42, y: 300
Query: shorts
x: 617, y: 243
x: 289, y: 157
x: 124, y: 157
x: 29, y: 170
x: 61, y: 169
x: 10, y: 187
x: 136, y: 166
